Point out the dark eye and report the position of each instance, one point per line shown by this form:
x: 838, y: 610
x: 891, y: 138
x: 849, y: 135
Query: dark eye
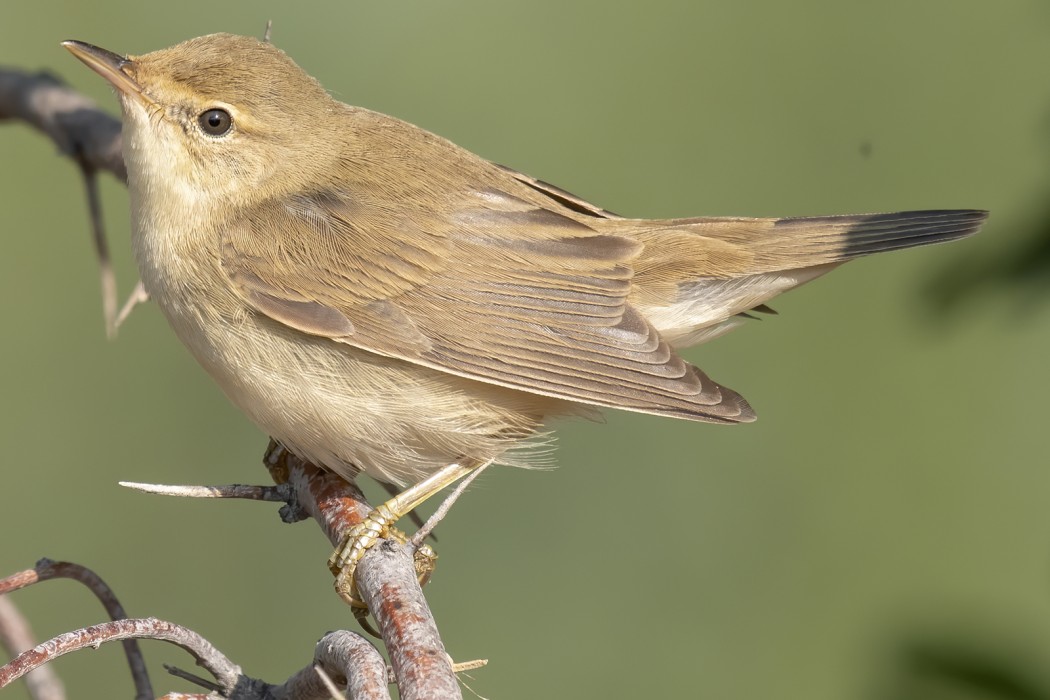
x: 215, y: 122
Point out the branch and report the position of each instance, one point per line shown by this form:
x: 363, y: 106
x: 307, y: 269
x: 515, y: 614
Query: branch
x: 92, y: 139
x: 346, y: 656
x: 45, y: 570
x: 386, y: 577
x: 16, y: 637
x: 274, y: 494
x: 72, y: 121
x: 227, y: 674
x: 350, y: 661
x: 387, y: 582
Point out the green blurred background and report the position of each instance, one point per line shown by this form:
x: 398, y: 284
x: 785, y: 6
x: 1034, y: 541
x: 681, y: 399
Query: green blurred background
x: 881, y: 533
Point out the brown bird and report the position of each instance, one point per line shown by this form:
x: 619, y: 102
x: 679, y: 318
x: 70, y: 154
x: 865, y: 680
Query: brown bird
x: 380, y: 300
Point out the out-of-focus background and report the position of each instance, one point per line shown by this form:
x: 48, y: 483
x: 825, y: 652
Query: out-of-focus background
x: 880, y: 533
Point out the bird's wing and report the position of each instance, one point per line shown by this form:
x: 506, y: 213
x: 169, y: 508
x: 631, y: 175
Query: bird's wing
x: 493, y: 288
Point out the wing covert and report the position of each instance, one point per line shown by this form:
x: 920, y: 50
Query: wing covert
x: 495, y: 289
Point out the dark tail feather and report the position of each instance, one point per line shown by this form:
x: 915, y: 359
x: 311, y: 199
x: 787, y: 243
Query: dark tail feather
x: 843, y: 238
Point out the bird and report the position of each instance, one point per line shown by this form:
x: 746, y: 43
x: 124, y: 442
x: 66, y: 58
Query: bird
x: 382, y: 301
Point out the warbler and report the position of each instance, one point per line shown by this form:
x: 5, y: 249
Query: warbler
x: 380, y: 300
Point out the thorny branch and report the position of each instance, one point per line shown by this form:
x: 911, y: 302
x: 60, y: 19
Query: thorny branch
x: 387, y: 579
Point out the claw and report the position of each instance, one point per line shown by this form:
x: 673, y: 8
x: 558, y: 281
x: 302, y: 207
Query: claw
x: 380, y: 525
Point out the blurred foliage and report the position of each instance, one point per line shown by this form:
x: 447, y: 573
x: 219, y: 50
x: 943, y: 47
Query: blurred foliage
x: 898, y: 462
x: 933, y: 667
x: 1021, y: 271
x: 934, y: 672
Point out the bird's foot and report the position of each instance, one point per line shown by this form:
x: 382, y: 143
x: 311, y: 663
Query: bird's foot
x: 379, y: 525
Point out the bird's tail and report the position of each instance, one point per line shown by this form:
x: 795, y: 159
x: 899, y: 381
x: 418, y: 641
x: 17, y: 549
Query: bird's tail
x: 695, y: 277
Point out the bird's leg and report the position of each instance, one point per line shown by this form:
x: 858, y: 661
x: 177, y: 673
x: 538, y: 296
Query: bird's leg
x: 379, y: 525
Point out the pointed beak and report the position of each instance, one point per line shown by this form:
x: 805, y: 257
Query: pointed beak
x: 114, y: 68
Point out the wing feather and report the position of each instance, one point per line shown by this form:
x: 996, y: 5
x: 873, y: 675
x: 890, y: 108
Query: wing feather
x: 497, y: 289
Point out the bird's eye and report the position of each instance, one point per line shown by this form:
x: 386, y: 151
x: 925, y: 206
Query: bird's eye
x: 215, y: 122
